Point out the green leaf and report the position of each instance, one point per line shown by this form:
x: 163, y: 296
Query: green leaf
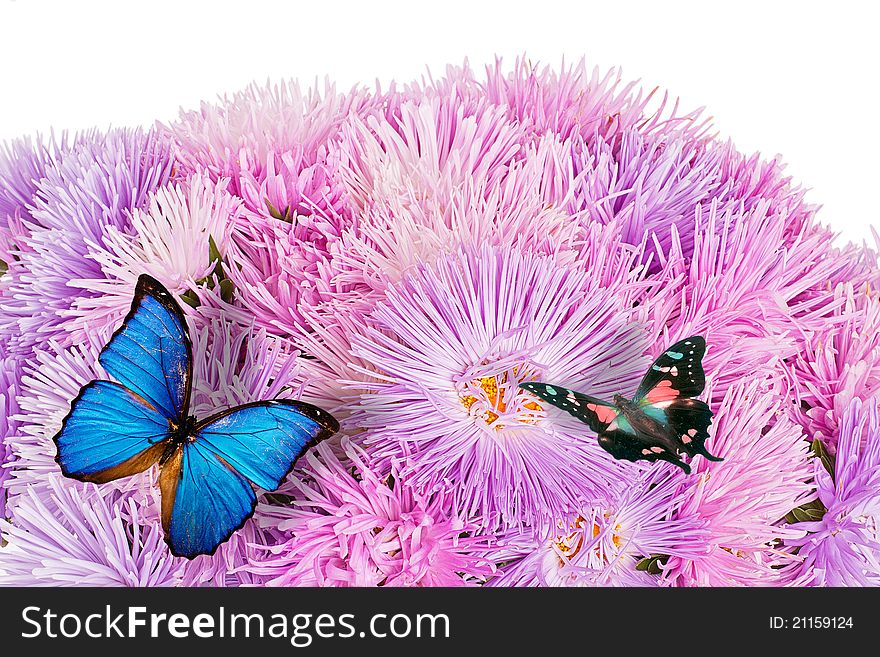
x: 278, y: 498
x: 227, y: 290
x: 190, y: 298
x: 278, y: 214
x: 823, y: 455
x: 652, y: 565
x: 3, y: 267
x: 809, y: 512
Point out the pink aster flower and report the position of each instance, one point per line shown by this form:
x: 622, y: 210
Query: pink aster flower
x: 745, y: 291
x: 276, y: 267
x: 766, y: 472
x: 272, y: 144
x: 449, y: 346
x: 603, y: 544
x: 843, y: 548
x: 347, y: 526
x: 838, y: 363
x: 569, y: 101
x: 527, y: 206
x: 426, y: 149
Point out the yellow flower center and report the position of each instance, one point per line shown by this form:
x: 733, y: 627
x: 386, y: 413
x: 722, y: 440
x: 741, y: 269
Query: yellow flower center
x: 491, y: 397
x: 571, y: 544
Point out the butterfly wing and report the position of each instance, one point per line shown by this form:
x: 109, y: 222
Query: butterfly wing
x: 110, y: 432
x: 597, y: 414
x: 204, y: 500
x: 207, y: 494
x: 151, y: 353
x: 615, y: 433
x: 677, y: 373
x: 689, y: 420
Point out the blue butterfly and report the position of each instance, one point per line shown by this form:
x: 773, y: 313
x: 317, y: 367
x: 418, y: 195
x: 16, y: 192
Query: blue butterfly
x: 206, y: 466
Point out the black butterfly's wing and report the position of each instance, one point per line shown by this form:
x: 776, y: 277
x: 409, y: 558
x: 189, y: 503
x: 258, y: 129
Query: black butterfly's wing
x: 595, y: 413
x: 616, y: 435
x: 631, y: 446
x: 677, y: 373
x: 688, y: 421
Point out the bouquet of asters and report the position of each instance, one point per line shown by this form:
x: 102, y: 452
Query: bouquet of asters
x: 407, y: 259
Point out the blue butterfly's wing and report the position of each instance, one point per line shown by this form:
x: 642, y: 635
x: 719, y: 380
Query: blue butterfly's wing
x: 151, y: 352
x: 110, y: 432
x: 204, y: 500
x: 263, y: 439
x: 210, y: 496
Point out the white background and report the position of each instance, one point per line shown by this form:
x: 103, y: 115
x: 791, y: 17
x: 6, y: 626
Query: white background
x: 796, y: 78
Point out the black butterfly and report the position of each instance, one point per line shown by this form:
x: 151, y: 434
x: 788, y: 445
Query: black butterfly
x: 660, y: 422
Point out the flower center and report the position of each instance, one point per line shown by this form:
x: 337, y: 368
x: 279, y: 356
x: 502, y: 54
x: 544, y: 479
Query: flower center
x: 572, y: 543
x: 498, y: 400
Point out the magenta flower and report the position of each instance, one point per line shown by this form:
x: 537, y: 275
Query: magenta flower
x: 346, y: 526
x: 9, y: 381
x: 843, y: 548
x: 449, y: 347
x: 649, y: 184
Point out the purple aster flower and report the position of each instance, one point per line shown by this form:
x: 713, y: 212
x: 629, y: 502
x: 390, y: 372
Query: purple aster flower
x: 649, y: 183
x: 449, y: 347
x: 347, y: 526
x: 9, y: 381
x: 603, y: 544
x: 741, y: 501
x: 71, y: 534
x: 169, y: 238
x: 843, y: 548
x: 90, y: 189
x: 23, y: 164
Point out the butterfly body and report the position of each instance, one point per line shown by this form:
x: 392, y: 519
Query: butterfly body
x: 661, y: 422
x: 208, y: 467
